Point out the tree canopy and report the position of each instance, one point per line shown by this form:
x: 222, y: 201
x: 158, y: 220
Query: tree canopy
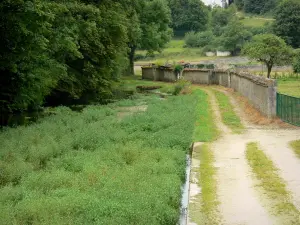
x: 189, y: 15
x: 287, y: 22
x: 74, y: 49
x: 269, y: 49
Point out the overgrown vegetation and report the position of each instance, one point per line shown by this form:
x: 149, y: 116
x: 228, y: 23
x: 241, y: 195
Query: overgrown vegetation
x: 272, y: 185
x: 93, y: 168
x: 229, y: 117
x: 73, y: 50
x: 205, y: 130
x: 296, y: 147
x: 205, y: 209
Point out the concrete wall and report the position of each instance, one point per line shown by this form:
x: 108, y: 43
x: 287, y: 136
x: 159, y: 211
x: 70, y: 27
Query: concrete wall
x: 260, y: 91
x: 148, y: 73
x: 197, y: 76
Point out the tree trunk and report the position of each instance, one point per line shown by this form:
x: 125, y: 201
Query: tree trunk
x: 269, y: 70
x: 130, y: 70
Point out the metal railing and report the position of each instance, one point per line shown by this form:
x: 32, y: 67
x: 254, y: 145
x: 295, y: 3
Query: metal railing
x: 288, y: 109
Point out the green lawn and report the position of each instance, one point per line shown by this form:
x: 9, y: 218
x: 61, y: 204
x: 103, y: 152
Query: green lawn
x: 289, y: 87
x: 174, y: 51
x: 272, y: 185
x: 228, y: 115
x: 255, y: 21
x: 94, y: 167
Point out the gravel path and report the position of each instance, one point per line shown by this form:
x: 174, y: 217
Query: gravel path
x: 240, y: 201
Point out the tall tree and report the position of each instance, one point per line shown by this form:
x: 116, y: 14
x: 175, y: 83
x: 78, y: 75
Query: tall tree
x: 287, y: 22
x: 150, y: 21
x: 259, y: 7
x: 270, y: 50
x: 189, y: 15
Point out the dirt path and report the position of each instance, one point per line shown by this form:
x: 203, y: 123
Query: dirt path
x: 240, y: 201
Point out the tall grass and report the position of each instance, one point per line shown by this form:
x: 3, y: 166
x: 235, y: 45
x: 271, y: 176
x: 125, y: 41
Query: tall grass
x: 229, y: 117
x: 93, y: 168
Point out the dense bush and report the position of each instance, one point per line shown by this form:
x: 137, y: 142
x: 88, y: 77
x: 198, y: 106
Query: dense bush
x: 296, y: 62
x: 95, y: 167
x: 201, y: 39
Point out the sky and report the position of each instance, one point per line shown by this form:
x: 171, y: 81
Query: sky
x: 210, y: 2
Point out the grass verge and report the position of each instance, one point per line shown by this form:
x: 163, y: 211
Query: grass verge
x: 289, y: 87
x: 272, y: 185
x: 205, y: 209
x: 93, y: 168
x: 229, y: 117
x: 296, y: 147
x: 205, y: 129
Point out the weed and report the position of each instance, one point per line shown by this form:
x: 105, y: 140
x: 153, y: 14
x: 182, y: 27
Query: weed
x: 228, y: 115
x: 296, y: 146
x: 272, y: 185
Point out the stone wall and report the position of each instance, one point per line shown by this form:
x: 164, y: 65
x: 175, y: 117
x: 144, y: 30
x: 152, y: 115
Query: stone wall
x: 260, y: 91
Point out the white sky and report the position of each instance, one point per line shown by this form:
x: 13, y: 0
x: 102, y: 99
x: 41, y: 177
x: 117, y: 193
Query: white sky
x: 210, y: 2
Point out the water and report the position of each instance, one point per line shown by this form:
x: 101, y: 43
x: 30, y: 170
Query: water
x: 185, y: 193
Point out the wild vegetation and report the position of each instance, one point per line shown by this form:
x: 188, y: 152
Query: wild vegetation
x: 272, y: 185
x: 96, y: 167
x: 296, y: 146
x: 228, y: 114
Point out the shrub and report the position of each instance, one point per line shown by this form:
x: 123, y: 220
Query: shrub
x: 181, y: 85
x: 296, y: 62
x: 191, y: 39
x: 201, y: 39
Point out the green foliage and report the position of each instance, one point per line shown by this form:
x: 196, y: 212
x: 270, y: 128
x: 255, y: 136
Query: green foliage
x: 234, y: 36
x: 296, y: 62
x: 287, y: 22
x: 201, y: 39
x: 189, y: 15
x: 181, y: 85
x: 95, y: 168
x: 269, y: 49
x: 220, y: 18
x: 239, y: 4
x: 259, y: 7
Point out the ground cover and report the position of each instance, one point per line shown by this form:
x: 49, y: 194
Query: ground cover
x: 272, y: 185
x: 296, y: 147
x: 93, y: 168
x: 289, y: 87
x: 174, y: 51
x: 205, y: 209
x: 229, y: 117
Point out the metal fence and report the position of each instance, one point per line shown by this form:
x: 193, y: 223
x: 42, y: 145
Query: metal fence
x: 288, y: 109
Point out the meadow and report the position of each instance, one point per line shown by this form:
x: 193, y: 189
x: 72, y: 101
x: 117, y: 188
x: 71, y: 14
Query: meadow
x: 105, y: 165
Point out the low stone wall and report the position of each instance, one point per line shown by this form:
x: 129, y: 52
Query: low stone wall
x: 158, y: 74
x: 260, y: 91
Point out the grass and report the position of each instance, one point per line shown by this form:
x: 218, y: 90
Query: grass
x: 229, y: 117
x: 272, y: 185
x: 296, y: 147
x: 205, y: 209
x: 174, y: 51
x: 289, y: 87
x: 255, y: 21
x: 205, y: 130
x: 93, y: 168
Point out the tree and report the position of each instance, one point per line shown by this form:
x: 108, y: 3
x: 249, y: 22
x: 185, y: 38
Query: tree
x: 239, y: 4
x: 150, y: 31
x: 189, y: 15
x: 220, y: 18
x: 234, y: 36
x: 287, y: 22
x: 269, y: 49
x: 259, y: 6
